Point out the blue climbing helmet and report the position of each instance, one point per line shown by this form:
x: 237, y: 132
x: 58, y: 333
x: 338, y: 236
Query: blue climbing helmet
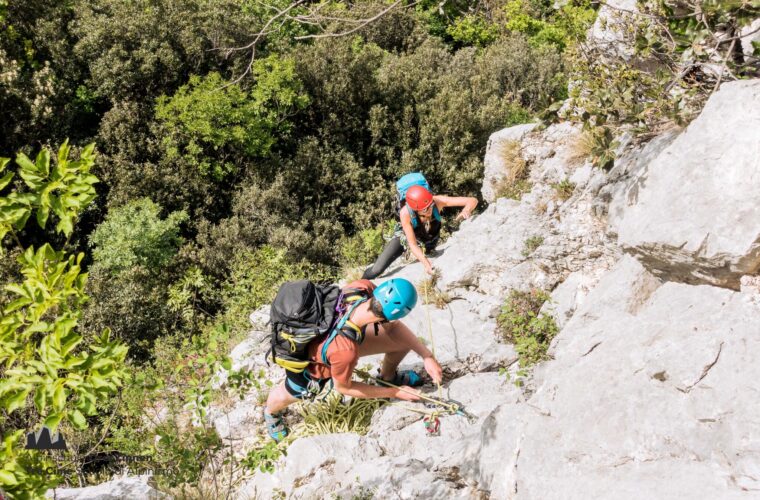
x: 397, y: 296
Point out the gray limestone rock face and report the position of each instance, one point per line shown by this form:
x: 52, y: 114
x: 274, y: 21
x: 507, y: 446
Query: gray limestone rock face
x: 692, y: 214
x: 650, y: 395
x: 118, y: 489
x: 750, y: 35
x: 487, y: 246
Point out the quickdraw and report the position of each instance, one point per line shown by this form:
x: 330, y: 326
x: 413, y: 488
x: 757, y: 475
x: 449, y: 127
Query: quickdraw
x: 432, y: 425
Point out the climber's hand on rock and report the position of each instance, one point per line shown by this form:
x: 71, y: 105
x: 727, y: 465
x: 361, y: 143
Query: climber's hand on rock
x: 406, y: 393
x: 433, y: 368
x: 429, y: 268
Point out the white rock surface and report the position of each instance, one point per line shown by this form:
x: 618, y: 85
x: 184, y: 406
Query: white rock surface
x: 749, y: 34
x: 692, y: 214
x: 118, y: 489
x: 397, y: 459
x: 650, y: 395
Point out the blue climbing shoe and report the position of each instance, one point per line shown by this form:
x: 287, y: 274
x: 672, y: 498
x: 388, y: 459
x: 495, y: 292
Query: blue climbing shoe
x: 405, y: 377
x: 275, y: 426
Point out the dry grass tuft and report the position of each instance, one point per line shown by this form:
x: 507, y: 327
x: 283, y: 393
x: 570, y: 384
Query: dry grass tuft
x: 431, y: 294
x: 515, y: 181
x: 581, y: 149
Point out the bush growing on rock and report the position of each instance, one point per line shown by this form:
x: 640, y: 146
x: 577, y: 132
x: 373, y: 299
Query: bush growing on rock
x: 521, y: 324
x: 653, y: 67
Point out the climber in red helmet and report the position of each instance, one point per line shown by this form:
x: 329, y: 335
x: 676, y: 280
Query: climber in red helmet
x: 420, y: 225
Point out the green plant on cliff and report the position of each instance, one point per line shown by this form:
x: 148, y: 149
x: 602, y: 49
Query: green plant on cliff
x: 680, y: 53
x: 521, y: 324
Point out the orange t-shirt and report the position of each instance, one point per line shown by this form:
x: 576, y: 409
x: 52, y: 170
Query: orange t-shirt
x: 342, y: 353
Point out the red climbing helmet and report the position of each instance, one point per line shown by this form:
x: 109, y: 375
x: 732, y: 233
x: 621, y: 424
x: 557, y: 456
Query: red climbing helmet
x: 418, y: 198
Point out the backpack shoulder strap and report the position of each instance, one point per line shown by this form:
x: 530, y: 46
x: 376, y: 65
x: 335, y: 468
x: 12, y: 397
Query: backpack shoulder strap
x: 413, y: 216
x: 339, y: 326
x: 436, y: 213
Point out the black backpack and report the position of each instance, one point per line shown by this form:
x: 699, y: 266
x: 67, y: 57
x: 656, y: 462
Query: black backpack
x: 303, y: 311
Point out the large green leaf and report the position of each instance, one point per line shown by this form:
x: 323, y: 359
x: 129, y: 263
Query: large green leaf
x: 43, y: 162
x: 42, y: 216
x: 14, y: 401
x: 7, y: 478
x: 77, y: 419
x: 6, y: 179
x: 40, y: 399
x: 52, y: 421
x: 59, y: 397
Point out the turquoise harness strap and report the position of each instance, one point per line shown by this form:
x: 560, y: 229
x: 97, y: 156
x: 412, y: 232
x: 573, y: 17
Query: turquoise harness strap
x: 413, y: 215
x: 336, y: 330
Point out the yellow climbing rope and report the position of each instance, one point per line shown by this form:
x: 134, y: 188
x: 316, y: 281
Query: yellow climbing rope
x: 430, y: 326
x: 451, y: 407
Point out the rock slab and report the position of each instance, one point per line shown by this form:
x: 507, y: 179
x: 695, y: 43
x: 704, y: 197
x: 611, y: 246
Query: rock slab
x: 693, y: 215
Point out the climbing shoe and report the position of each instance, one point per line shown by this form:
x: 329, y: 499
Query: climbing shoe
x: 405, y: 377
x: 275, y: 426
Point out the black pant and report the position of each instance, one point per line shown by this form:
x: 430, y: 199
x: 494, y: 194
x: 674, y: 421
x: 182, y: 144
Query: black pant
x: 392, y: 251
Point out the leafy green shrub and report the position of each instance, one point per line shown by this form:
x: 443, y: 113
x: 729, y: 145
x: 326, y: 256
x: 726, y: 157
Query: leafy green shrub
x: 135, y: 235
x: 165, y: 413
x: 264, y: 457
x: 473, y: 30
x: 64, y: 189
x: 130, y: 279
x: 546, y: 25
x: 362, y: 248
x: 51, y: 372
x: 531, y: 244
x: 521, y: 324
x: 211, y: 123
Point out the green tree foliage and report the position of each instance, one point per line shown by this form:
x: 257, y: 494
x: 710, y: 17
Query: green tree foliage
x: 473, y: 30
x: 214, y: 125
x: 546, y: 25
x: 133, y: 252
x: 138, y: 49
x: 50, y: 372
x: 65, y: 189
x: 135, y: 235
x: 32, y: 84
